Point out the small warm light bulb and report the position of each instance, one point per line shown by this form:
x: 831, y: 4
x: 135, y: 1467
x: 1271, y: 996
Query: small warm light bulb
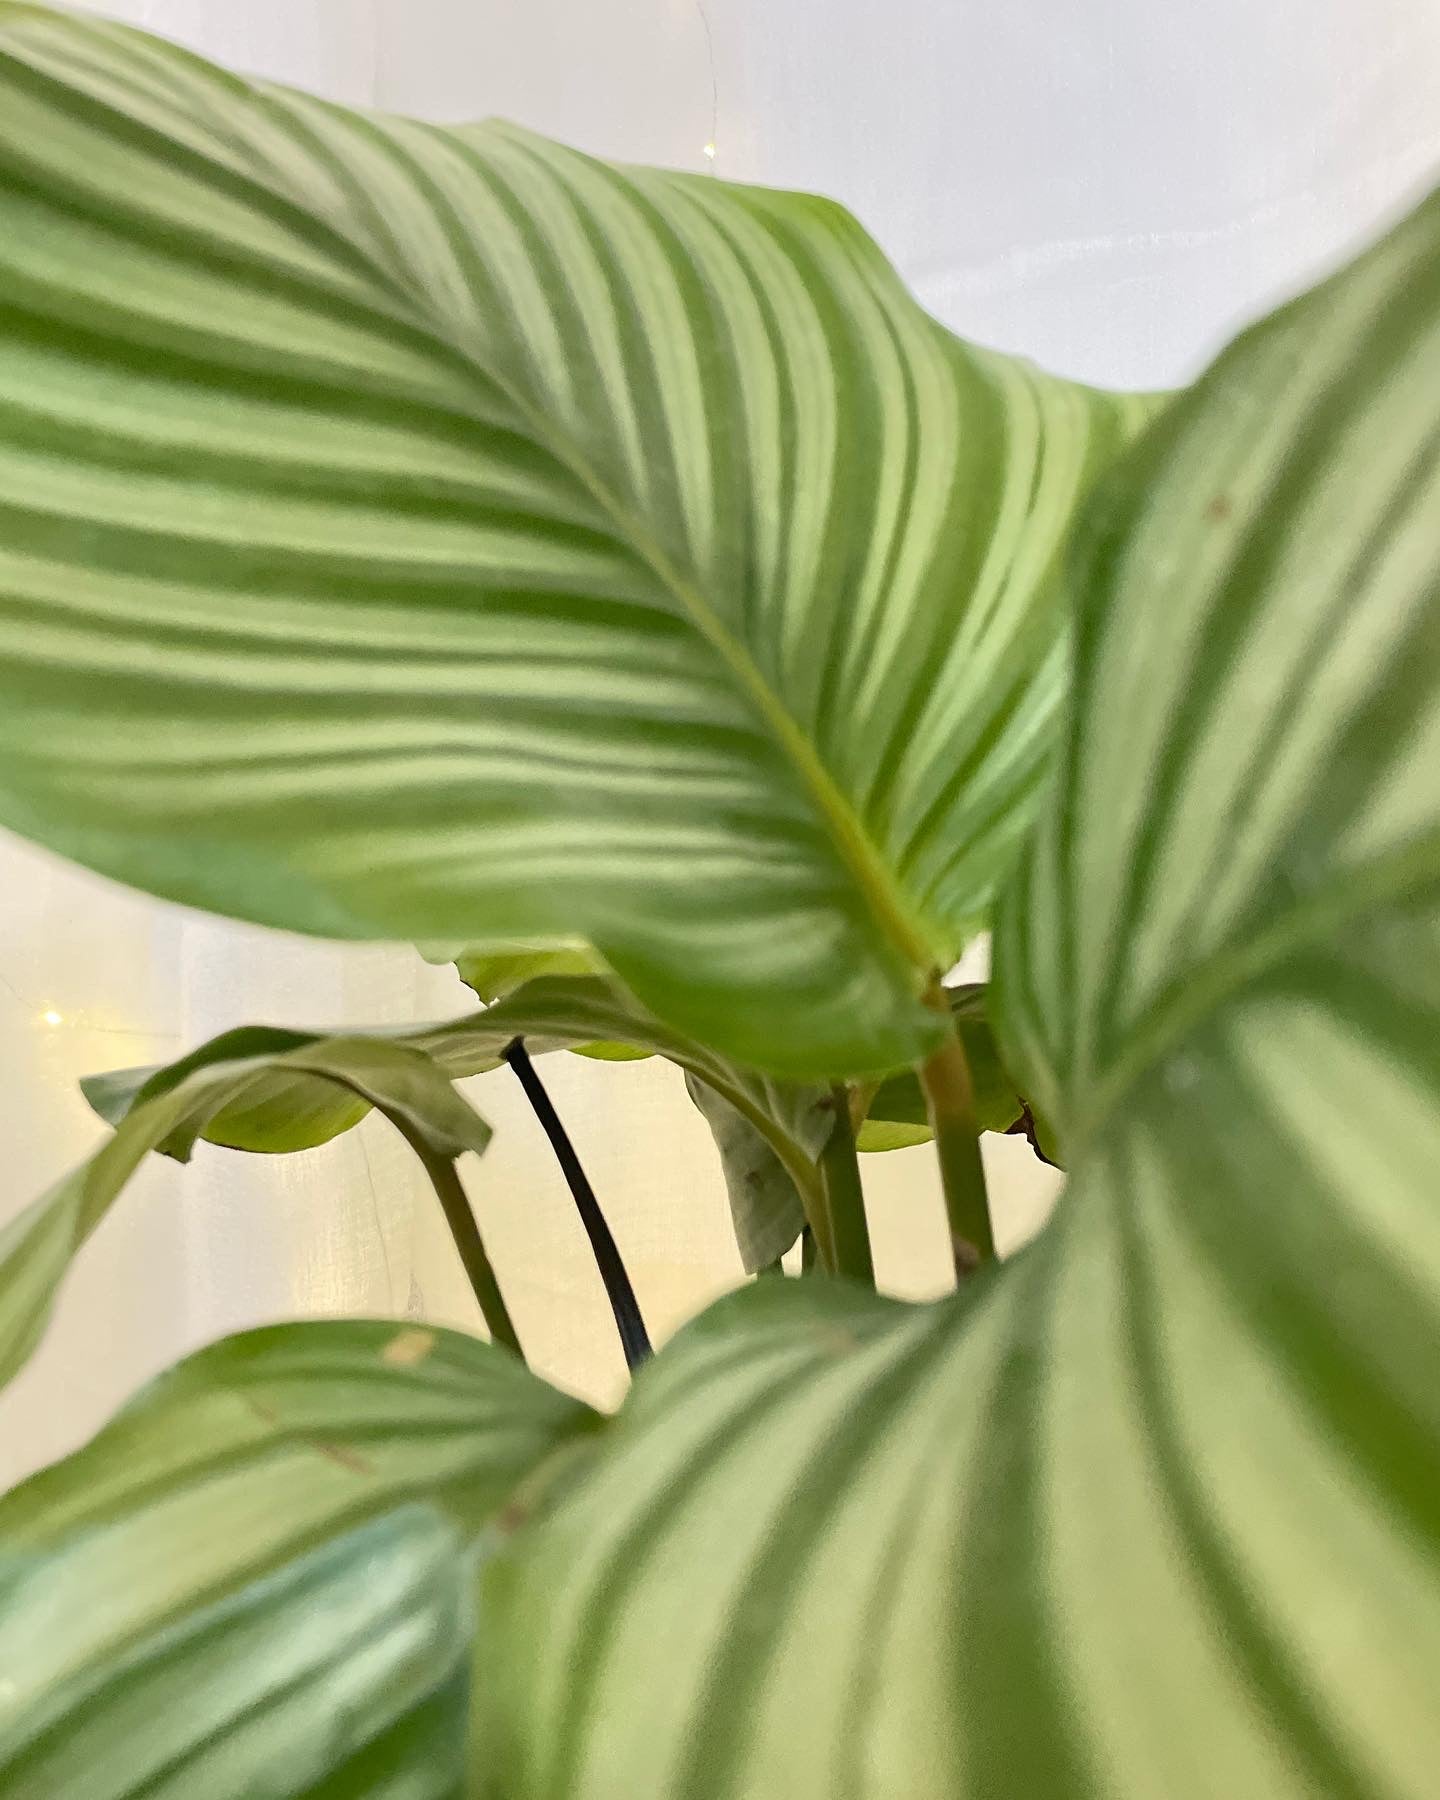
x: 51, y: 1017
x: 709, y: 151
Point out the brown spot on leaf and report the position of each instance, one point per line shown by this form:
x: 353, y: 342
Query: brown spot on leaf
x: 512, y: 1516
x: 262, y: 1411
x: 1219, y: 509
x: 407, y: 1348
x: 342, y: 1454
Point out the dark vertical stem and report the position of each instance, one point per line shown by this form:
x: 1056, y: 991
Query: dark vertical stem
x: 634, y: 1339
x: 950, y: 1102
x: 808, y: 1254
x: 445, y: 1180
x: 844, y: 1197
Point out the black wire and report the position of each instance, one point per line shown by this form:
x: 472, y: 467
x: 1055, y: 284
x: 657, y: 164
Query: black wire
x: 634, y: 1339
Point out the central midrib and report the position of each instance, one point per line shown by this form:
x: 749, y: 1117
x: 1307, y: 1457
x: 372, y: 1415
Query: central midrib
x: 851, y: 840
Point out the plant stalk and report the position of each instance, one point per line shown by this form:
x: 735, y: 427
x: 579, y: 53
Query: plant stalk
x: 950, y: 1103
x: 820, y: 1234
x: 465, y: 1233
x: 634, y: 1339
x: 844, y: 1197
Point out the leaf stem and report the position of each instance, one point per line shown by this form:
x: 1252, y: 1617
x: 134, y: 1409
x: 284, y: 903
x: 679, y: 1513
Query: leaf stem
x: 950, y: 1103
x: 844, y: 1198
x: 819, y: 1233
x: 634, y: 1339
x: 454, y: 1203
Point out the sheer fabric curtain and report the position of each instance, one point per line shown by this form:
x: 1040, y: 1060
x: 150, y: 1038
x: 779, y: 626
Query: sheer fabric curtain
x: 1110, y: 188
x: 94, y: 977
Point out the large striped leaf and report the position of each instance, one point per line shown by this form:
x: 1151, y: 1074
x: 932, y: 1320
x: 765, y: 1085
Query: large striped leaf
x: 1153, y: 1510
x: 437, y: 533
x: 310, y: 1078
x: 254, y: 1583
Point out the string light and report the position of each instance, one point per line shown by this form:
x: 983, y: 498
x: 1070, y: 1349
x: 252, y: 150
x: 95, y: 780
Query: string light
x: 708, y: 150
x: 51, y: 1017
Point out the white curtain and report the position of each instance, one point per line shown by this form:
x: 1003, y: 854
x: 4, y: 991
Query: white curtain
x: 1111, y: 188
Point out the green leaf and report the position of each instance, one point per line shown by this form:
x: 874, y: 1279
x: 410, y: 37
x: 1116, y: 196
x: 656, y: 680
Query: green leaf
x: 884, y: 1134
x: 766, y: 1205
x: 896, y: 1116
x: 255, y: 1581
x: 1151, y: 1509
x: 1221, y: 967
x: 251, y: 1077
x: 492, y: 971
x: 273, y: 1107
x: 611, y: 1052
x: 700, y: 1613
x: 438, y: 534
x: 279, y: 1108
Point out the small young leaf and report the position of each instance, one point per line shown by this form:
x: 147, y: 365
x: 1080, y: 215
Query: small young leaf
x: 265, y: 1080
x: 766, y: 1206
x: 491, y: 971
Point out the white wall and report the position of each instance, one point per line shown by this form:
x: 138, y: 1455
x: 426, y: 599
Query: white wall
x: 1109, y: 187
x: 329, y: 47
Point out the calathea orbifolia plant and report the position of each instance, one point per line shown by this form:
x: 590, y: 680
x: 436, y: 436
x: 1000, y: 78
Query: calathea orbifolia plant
x: 432, y: 533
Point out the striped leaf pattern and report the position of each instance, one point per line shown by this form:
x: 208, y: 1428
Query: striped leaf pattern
x: 256, y: 1581
x: 1153, y: 1510
x: 436, y: 533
